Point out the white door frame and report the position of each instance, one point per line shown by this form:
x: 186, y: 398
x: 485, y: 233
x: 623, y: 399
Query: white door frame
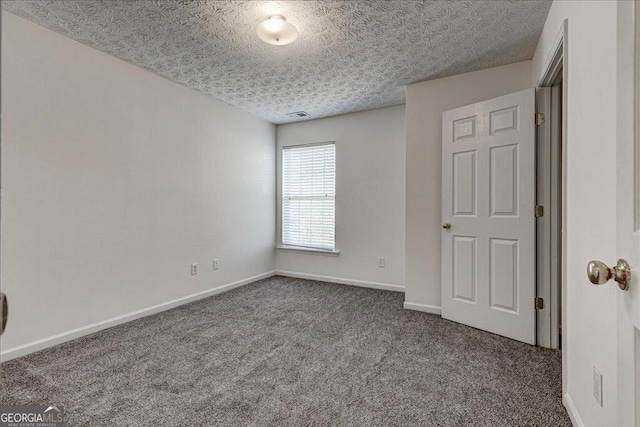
x: 556, y: 60
x: 548, y: 184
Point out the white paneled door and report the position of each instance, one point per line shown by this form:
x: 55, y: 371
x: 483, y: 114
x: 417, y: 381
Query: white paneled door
x: 488, y: 215
x: 627, y: 220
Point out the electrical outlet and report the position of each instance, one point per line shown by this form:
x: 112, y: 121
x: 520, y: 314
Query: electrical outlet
x: 194, y: 268
x: 597, y: 385
x: 381, y: 262
x: 216, y: 264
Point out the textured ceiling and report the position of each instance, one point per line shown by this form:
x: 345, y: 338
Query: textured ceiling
x: 349, y: 56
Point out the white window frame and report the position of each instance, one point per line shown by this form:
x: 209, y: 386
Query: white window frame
x: 304, y: 249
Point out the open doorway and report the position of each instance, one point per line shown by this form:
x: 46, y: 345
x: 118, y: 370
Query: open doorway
x: 550, y: 210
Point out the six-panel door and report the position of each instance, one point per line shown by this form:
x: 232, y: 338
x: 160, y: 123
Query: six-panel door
x: 488, y: 195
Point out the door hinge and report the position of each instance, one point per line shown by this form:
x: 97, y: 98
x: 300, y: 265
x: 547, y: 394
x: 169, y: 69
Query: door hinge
x: 539, y: 119
x: 538, y: 303
x: 539, y: 211
x: 4, y: 311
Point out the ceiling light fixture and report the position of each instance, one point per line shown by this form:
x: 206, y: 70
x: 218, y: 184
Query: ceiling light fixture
x: 276, y: 30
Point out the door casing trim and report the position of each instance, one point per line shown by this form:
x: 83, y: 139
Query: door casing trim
x: 557, y: 61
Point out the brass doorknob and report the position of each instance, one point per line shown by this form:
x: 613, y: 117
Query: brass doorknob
x: 599, y: 273
x: 446, y: 225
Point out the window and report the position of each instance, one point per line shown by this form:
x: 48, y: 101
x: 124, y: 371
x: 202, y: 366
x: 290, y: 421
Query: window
x: 309, y: 196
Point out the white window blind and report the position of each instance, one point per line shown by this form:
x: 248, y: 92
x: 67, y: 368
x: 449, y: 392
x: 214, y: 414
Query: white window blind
x: 309, y: 196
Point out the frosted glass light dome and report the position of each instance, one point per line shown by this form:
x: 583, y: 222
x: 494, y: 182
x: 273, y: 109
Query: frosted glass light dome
x: 276, y: 30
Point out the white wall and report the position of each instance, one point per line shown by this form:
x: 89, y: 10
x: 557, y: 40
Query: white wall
x: 589, y: 330
x: 370, y: 193
x: 114, y: 181
x: 426, y: 101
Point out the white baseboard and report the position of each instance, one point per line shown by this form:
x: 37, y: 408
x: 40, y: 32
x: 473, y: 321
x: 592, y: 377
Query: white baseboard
x: 351, y: 282
x: 433, y: 309
x: 43, y: 343
x: 571, y: 410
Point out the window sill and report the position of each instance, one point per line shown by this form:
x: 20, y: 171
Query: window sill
x: 311, y: 251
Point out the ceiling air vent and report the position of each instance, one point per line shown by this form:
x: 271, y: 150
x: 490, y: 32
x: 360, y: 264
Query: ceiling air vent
x: 297, y: 115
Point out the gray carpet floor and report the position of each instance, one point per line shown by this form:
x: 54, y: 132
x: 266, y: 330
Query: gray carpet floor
x: 292, y: 352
